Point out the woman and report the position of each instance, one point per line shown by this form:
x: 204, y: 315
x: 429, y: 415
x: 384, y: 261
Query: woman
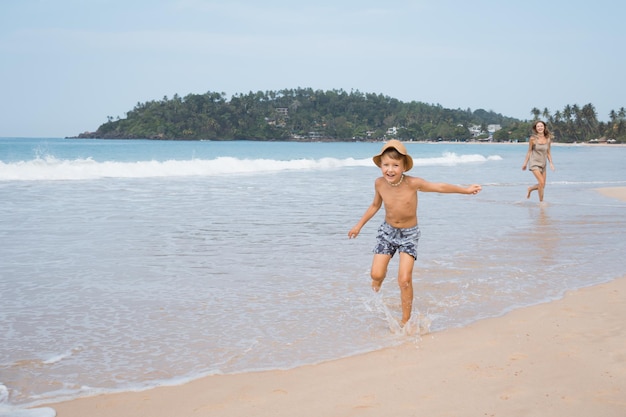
x: 538, y: 155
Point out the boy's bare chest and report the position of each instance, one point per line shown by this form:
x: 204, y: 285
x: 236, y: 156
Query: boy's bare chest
x: 401, y: 199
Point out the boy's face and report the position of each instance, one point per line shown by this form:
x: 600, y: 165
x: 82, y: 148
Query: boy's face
x: 392, y: 169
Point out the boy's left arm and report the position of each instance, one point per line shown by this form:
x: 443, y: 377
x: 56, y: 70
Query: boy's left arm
x: 473, y: 189
x: 442, y: 187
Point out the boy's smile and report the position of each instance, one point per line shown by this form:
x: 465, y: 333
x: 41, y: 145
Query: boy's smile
x: 392, y: 169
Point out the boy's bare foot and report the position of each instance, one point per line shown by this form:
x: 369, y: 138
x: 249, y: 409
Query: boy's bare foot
x: 376, y: 285
x: 408, y: 328
x: 530, y: 190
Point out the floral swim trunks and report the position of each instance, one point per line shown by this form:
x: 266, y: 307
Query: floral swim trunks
x: 390, y: 239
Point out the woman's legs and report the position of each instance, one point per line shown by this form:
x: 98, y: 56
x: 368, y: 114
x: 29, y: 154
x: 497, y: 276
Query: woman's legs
x: 544, y: 175
x: 541, y: 183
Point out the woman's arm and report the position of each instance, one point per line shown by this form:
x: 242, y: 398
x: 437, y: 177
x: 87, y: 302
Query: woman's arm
x: 531, y: 143
x: 549, y: 154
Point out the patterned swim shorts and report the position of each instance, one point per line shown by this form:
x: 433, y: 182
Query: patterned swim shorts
x: 390, y: 239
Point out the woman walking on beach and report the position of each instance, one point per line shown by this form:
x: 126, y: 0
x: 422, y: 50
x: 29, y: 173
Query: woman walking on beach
x: 538, y: 155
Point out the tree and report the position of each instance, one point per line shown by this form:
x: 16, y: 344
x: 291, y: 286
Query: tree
x: 589, y: 121
x: 535, y: 113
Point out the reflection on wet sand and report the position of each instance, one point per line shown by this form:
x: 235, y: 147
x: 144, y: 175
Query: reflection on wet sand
x: 546, y: 235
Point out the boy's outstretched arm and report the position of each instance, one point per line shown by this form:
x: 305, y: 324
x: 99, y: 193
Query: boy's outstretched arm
x: 442, y: 187
x: 474, y: 189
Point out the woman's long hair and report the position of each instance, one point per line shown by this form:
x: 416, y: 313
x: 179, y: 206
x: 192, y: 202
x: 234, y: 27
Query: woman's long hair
x: 546, y: 131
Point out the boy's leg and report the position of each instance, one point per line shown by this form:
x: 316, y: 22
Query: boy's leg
x: 379, y: 270
x: 405, y: 281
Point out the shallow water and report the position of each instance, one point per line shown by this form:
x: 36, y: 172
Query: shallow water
x: 125, y: 264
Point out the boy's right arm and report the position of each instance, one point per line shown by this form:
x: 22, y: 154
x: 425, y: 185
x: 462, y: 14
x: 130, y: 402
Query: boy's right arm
x: 369, y: 213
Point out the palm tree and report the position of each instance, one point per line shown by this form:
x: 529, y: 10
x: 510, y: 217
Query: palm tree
x: 567, y: 113
x: 577, y: 122
x: 621, y: 124
x: 557, y: 123
x: 536, y: 113
x: 569, y: 125
x: 590, y: 120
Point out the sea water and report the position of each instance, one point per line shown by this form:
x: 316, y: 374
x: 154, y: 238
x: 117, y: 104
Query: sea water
x: 130, y: 264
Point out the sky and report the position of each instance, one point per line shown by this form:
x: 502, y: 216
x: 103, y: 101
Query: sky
x: 67, y: 65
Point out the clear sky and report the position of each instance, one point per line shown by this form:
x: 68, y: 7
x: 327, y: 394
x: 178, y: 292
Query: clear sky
x: 65, y: 65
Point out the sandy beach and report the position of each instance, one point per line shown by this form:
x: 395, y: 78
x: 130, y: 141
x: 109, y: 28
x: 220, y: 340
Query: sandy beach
x: 563, y: 358
x: 614, y: 192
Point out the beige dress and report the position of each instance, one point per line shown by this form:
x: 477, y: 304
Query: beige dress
x: 539, y: 156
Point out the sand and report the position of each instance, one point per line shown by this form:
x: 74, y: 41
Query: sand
x: 563, y: 358
x: 614, y: 192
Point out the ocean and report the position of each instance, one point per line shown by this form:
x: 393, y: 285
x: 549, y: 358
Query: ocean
x: 127, y: 264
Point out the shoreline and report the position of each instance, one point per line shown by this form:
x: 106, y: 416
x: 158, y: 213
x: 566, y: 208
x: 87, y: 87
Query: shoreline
x: 468, y: 142
x: 584, y: 144
x: 561, y: 358
x: 565, y: 358
x: 618, y: 193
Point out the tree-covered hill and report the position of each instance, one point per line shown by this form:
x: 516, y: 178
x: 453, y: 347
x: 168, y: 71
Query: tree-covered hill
x: 307, y: 114
x: 301, y: 113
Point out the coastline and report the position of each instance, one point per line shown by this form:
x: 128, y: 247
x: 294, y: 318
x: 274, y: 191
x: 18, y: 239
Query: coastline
x: 562, y: 358
x: 618, y: 193
x: 525, y: 143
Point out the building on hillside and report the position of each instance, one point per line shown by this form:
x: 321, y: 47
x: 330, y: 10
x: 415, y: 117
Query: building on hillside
x: 493, y: 129
x: 475, y: 130
x: 392, y: 131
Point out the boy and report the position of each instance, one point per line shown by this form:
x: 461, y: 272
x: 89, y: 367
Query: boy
x: 400, y: 231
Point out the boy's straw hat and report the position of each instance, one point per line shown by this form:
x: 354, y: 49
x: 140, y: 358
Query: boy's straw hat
x: 398, y: 146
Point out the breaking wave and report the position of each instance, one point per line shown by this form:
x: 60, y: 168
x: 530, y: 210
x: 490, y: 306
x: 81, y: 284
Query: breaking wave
x: 51, y: 168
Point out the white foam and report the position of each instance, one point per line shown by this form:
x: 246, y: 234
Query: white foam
x: 52, y: 168
x: 450, y: 159
x: 57, y: 358
x: 28, y: 412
